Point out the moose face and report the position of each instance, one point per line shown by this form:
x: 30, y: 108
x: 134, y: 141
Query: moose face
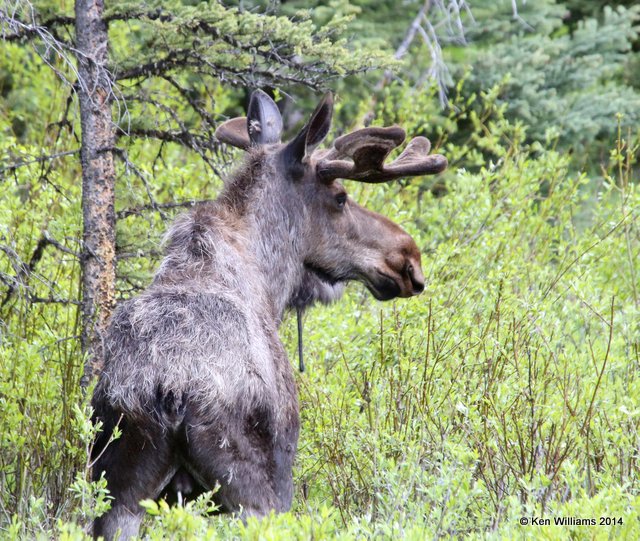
x: 345, y: 241
x: 342, y: 240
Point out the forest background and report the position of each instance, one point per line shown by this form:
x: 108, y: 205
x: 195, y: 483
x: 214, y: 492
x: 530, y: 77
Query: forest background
x: 509, y: 390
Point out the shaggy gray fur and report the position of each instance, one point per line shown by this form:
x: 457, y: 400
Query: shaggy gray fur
x: 195, y: 374
x: 207, y: 326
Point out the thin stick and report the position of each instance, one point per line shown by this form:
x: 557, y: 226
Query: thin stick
x: 300, y: 359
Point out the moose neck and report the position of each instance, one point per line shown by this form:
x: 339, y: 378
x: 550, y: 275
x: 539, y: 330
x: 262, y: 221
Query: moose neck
x: 245, y: 244
x: 275, y: 235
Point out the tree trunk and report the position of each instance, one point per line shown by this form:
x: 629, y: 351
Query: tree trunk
x: 98, y: 181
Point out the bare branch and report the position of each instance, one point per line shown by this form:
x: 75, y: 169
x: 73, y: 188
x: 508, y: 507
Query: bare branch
x: 53, y: 242
x: 24, y: 270
x: 20, y: 268
x: 38, y: 159
x: 19, y: 29
x: 438, y: 70
x: 139, y: 254
x: 516, y: 15
x: 139, y: 210
x: 449, y: 13
x: 184, y: 92
x: 22, y: 31
x: 175, y: 58
x: 53, y: 300
x: 411, y: 31
x: 122, y: 154
x: 308, y: 75
x: 13, y: 28
x: 187, y: 139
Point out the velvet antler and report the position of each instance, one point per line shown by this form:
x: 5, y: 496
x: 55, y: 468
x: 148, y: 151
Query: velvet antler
x: 366, y: 150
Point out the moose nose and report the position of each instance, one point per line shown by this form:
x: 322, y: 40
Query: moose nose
x: 416, y: 278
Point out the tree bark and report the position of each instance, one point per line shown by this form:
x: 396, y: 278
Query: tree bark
x: 98, y: 181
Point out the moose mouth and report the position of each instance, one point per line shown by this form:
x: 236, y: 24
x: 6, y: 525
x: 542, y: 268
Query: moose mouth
x: 384, y: 287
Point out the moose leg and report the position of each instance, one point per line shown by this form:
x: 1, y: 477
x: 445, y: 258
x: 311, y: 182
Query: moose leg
x: 252, y: 466
x: 136, y: 468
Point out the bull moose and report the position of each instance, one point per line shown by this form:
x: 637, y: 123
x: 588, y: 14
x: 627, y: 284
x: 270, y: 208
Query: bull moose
x: 195, y: 375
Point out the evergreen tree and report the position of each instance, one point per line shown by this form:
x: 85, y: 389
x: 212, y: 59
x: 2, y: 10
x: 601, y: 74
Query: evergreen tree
x: 562, y: 83
x: 160, y: 64
x: 564, y: 69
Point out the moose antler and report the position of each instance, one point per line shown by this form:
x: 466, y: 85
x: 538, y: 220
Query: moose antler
x: 368, y: 148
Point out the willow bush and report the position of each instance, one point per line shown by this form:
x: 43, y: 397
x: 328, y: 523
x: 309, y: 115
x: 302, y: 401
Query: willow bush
x: 508, y: 389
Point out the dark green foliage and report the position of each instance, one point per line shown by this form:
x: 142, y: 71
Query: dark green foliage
x: 561, y: 84
x: 564, y: 69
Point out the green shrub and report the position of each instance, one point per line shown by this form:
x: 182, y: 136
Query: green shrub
x: 508, y: 389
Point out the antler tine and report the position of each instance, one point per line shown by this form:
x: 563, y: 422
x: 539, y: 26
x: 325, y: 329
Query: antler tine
x: 366, y: 150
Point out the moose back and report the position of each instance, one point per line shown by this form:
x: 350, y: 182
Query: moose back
x: 195, y: 375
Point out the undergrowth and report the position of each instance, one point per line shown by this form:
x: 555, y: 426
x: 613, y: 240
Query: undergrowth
x: 508, y: 390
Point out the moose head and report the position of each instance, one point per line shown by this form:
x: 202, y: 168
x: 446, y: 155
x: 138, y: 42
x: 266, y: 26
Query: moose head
x: 342, y: 241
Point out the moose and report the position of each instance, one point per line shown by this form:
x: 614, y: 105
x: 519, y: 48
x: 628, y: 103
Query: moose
x: 195, y: 376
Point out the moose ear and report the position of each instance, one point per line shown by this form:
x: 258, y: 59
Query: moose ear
x: 264, y: 122
x: 313, y: 132
x: 234, y: 133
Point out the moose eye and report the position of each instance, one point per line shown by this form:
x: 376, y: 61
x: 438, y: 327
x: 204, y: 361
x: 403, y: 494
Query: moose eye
x: 341, y: 199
